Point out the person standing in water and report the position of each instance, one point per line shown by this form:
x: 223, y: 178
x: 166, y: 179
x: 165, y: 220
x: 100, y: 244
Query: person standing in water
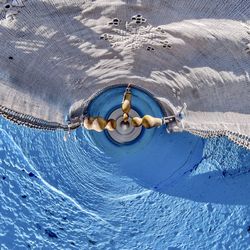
x: 126, y: 103
x: 99, y: 124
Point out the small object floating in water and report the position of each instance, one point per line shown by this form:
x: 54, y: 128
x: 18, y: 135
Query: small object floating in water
x: 65, y: 137
x: 31, y: 174
x: 50, y: 233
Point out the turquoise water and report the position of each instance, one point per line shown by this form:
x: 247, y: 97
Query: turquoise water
x: 80, y: 195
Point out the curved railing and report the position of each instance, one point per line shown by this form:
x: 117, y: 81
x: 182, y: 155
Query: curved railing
x: 29, y: 120
x: 33, y: 122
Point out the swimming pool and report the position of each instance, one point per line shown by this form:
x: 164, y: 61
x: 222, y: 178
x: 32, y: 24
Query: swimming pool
x: 155, y: 158
x: 88, y: 193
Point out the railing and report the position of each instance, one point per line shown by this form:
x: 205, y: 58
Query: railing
x: 29, y: 120
x: 32, y: 122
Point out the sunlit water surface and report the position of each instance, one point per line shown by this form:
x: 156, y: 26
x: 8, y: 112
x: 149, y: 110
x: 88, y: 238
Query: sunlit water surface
x: 88, y: 193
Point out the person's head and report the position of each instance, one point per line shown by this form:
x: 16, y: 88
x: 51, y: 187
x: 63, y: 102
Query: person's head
x: 136, y: 121
x: 111, y: 125
x: 125, y: 117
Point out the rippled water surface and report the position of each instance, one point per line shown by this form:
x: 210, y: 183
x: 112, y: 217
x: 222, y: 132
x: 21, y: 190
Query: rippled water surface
x: 76, y: 195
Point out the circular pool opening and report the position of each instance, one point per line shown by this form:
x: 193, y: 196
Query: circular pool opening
x: 108, y: 104
x: 153, y: 157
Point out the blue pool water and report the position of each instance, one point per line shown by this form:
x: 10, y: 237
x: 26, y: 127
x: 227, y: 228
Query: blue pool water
x: 156, y: 158
x: 80, y: 195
